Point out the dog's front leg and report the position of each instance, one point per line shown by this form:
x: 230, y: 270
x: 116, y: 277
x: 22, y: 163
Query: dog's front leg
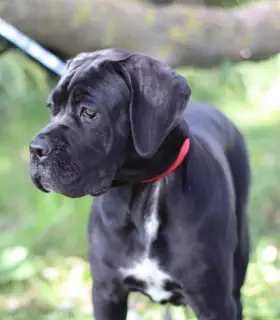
x: 223, y: 310
x: 208, y: 288
x: 109, y: 305
x: 212, y: 303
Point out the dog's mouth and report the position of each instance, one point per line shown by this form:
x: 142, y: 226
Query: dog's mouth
x: 100, y: 191
x: 42, y: 187
x: 70, y: 185
x: 39, y: 185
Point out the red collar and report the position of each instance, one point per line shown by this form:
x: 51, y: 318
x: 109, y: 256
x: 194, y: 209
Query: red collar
x: 181, y: 156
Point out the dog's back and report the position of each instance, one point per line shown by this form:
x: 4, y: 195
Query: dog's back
x: 213, y: 128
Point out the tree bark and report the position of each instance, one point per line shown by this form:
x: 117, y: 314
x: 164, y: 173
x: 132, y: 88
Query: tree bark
x: 176, y: 34
x: 214, y: 3
x: 185, y: 2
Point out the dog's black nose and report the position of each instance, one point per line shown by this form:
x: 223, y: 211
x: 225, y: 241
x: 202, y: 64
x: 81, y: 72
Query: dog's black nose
x: 40, y: 146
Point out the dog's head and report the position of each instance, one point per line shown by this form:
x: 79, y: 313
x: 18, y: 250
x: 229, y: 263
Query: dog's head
x: 105, y: 100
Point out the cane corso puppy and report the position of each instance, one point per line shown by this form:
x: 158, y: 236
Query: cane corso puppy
x: 171, y: 181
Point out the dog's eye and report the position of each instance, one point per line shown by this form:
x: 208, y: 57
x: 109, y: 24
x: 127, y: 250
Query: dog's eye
x: 89, y: 113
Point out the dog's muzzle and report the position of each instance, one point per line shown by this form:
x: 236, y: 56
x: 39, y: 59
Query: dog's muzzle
x: 40, y: 148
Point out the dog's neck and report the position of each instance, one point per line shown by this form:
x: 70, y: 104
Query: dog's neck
x: 137, y: 170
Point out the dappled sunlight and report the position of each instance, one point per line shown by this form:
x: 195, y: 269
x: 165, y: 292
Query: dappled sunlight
x: 14, y: 255
x: 62, y: 285
x: 263, y: 281
x: 248, y: 92
x: 259, y: 116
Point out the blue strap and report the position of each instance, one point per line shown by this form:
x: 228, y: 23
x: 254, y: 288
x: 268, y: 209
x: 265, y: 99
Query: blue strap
x: 32, y: 48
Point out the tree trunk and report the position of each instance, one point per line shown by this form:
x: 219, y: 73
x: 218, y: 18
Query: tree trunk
x: 213, y: 3
x: 185, y: 2
x: 176, y: 34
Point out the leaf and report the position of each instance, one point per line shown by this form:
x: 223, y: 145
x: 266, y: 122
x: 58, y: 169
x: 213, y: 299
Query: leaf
x: 17, y: 265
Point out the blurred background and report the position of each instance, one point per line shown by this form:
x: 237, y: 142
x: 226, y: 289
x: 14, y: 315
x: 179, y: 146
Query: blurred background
x: 228, y: 52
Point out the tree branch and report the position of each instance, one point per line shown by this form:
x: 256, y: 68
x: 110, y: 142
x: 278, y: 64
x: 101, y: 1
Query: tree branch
x: 176, y: 34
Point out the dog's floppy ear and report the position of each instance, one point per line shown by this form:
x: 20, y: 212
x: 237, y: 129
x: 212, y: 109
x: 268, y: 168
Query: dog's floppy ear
x: 159, y: 97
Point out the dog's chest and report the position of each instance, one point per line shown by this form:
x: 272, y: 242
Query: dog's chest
x: 145, y: 273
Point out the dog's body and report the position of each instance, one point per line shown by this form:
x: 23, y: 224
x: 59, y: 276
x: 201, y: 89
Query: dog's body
x: 182, y: 239
x: 174, y: 239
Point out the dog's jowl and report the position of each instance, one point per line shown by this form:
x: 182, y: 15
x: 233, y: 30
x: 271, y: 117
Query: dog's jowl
x: 170, y: 180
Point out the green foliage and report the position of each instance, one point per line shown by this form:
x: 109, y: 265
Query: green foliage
x: 40, y: 234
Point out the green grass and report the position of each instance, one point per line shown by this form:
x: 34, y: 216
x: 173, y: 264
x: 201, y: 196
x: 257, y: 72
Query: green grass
x: 41, y: 235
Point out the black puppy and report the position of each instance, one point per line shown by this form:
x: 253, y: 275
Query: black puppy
x: 172, y: 180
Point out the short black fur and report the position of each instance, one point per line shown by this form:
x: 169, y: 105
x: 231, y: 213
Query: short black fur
x: 142, y: 119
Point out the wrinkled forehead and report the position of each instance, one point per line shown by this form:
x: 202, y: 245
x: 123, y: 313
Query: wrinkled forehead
x: 80, y: 70
x: 84, y: 72
x: 95, y: 59
x: 84, y: 64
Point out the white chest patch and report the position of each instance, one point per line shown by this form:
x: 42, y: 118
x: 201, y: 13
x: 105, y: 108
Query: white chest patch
x: 146, y: 269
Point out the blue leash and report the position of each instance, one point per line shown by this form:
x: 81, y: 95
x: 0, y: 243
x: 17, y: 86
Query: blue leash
x: 31, y: 47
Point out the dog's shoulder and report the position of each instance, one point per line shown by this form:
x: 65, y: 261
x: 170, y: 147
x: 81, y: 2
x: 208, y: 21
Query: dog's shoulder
x: 203, y: 115
x: 211, y: 125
